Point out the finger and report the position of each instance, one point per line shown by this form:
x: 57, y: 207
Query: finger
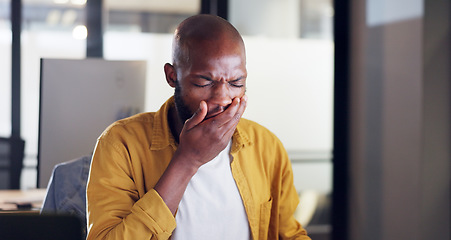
x: 198, y: 116
x: 235, y: 116
x: 227, y: 129
x: 227, y: 115
x: 243, y: 106
x: 231, y: 125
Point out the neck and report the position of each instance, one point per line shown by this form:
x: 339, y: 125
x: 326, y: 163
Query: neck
x: 175, y: 123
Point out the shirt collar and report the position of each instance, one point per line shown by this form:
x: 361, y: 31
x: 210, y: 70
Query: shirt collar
x: 162, y: 135
x: 240, y: 139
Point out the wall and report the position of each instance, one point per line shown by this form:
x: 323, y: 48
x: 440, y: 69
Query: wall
x: 435, y: 183
x: 400, y: 120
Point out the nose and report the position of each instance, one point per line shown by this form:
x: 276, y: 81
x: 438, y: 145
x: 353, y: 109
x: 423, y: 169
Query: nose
x: 221, y: 95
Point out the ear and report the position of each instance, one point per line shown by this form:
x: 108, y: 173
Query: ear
x: 171, y: 75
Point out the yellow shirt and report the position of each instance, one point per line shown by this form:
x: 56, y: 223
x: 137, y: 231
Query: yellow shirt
x: 132, y: 154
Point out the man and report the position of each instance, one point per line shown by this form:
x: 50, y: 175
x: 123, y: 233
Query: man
x: 194, y: 169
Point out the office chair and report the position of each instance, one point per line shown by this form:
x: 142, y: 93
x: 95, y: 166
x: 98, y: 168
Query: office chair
x: 11, y: 162
x: 66, y: 191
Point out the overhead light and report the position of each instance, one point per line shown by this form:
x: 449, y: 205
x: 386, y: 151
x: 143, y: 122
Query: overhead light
x: 53, y: 17
x: 68, y: 18
x: 80, y: 32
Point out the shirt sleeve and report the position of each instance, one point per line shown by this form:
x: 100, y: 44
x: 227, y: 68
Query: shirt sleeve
x: 290, y: 228
x: 114, y: 208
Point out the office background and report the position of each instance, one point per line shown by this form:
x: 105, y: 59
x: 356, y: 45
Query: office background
x: 392, y: 104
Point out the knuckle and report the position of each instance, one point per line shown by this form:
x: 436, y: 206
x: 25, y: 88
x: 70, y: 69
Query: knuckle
x: 217, y: 138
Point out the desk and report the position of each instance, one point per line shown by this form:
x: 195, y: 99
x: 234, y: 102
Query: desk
x: 21, y: 200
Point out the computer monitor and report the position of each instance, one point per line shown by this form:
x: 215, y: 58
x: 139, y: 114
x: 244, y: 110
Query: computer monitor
x: 78, y: 100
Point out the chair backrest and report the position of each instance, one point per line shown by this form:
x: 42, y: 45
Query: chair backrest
x: 66, y: 191
x: 11, y: 162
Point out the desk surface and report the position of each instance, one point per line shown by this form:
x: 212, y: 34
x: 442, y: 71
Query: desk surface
x: 18, y: 200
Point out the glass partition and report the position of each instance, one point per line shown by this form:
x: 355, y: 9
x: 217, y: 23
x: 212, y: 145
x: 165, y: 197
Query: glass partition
x: 290, y: 72
x: 143, y: 31
x: 290, y: 54
x: 50, y: 29
x: 290, y: 77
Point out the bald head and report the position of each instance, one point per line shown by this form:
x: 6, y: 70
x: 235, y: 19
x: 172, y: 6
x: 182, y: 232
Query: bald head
x: 200, y: 32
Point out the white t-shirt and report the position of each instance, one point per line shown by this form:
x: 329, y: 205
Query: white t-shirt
x: 211, y: 207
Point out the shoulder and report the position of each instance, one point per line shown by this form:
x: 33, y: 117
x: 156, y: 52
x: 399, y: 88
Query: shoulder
x: 261, y: 149
x: 254, y: 131
x: 260, y: 139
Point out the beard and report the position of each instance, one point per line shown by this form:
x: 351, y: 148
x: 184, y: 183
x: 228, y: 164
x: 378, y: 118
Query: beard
x: 182, y: 109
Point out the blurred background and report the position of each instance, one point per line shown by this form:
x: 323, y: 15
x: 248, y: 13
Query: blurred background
x: 358, y: 92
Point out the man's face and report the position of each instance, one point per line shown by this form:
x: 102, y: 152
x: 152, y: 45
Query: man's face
x: 215, y: 75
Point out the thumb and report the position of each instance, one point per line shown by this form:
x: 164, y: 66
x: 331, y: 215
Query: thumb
x: 198, y: 116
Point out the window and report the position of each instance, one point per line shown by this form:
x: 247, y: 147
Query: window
x: 142, y: 30
x: 290, y: 65
x: 50, y: 29
x: 290, y: 57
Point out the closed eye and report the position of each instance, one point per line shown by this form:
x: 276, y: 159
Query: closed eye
x: 203, y: 82
x: 237, y: 83
x: 203, y: 85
